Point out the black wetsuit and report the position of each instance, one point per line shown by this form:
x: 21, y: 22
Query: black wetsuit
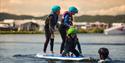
x: 65, y: 24
x: 49, y: 25
x: 70, y: 46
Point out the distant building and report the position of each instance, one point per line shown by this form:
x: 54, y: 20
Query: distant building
x: 35, y: 25
x: 117, y: 24
x: 6, y: 27
x: 117, y: 28
x: 38, y: 25
x: 99, y: 25
x: 81, y: 25
x: 29, y: 26
x: 10, y: 21
x: 86, y: 25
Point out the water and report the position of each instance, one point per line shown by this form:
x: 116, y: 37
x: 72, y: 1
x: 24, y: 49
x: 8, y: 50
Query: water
x: 26, y: 46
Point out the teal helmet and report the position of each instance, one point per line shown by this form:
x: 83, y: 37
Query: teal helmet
x: 71, y: 31
x: 73, y: 9
x: 55, y: 8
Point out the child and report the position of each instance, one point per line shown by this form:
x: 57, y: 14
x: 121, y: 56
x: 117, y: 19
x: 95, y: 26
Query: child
x: 50, y: 24
x: 104, y: 56
x: 66, y: 22
x: 71, y: 42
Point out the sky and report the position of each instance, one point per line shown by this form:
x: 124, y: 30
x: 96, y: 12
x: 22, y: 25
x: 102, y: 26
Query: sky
x: 43, y: 7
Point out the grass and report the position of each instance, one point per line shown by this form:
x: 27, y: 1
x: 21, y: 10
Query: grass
x: 93, y: 30
x: 20, y: 32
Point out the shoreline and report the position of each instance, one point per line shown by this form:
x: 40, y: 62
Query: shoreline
x: 40, y: 32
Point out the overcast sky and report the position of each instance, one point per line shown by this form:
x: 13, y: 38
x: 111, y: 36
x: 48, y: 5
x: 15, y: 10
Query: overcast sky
x: 43, y: 7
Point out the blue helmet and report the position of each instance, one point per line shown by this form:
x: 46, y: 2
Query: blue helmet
x: 55, y: 8
x: 73, y: 9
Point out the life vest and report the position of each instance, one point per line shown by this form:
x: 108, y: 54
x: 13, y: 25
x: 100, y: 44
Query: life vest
x: 70, y: 18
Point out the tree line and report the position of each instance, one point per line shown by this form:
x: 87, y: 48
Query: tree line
x: 83, y: 18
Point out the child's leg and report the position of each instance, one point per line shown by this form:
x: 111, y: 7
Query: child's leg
x: 47, y: 40
x: 63, y: 29
x: 63, y: 36
x: 52, y: 41
x: 65, y: 52
x: 51, y: 45
x: 75, y: 52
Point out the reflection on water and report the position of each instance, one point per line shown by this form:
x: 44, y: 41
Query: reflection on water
x: 83, y: 38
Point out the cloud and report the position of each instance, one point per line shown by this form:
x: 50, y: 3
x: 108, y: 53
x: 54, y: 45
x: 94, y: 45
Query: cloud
x: 15, y: 1
x: 6, y: 9
x: 110, y: 11
x: 42, y: 7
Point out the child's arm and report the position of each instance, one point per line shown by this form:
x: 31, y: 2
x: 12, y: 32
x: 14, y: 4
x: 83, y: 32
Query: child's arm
x: 51, y: 28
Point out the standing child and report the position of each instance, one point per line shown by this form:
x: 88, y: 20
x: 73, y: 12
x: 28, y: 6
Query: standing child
x: 50, y: 24
x: 66, y: 22
x: 71, y: 43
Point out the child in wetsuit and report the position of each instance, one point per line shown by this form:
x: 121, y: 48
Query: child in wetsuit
x: 50, y: 24
x: 71, y: 43
x: 66, y: 22
x: 104, y: 56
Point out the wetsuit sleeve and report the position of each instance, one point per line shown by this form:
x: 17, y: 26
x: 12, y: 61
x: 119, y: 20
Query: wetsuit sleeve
x: 50, y: 23
x: 66, y: 20
x: 50, y: 19
x: 78, y: 46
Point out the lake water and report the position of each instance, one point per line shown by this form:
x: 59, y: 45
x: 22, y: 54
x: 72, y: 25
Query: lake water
x: 25, y: 46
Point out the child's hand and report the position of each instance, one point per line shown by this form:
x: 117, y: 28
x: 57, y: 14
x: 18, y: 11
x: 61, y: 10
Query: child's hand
x: 100, y: 61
